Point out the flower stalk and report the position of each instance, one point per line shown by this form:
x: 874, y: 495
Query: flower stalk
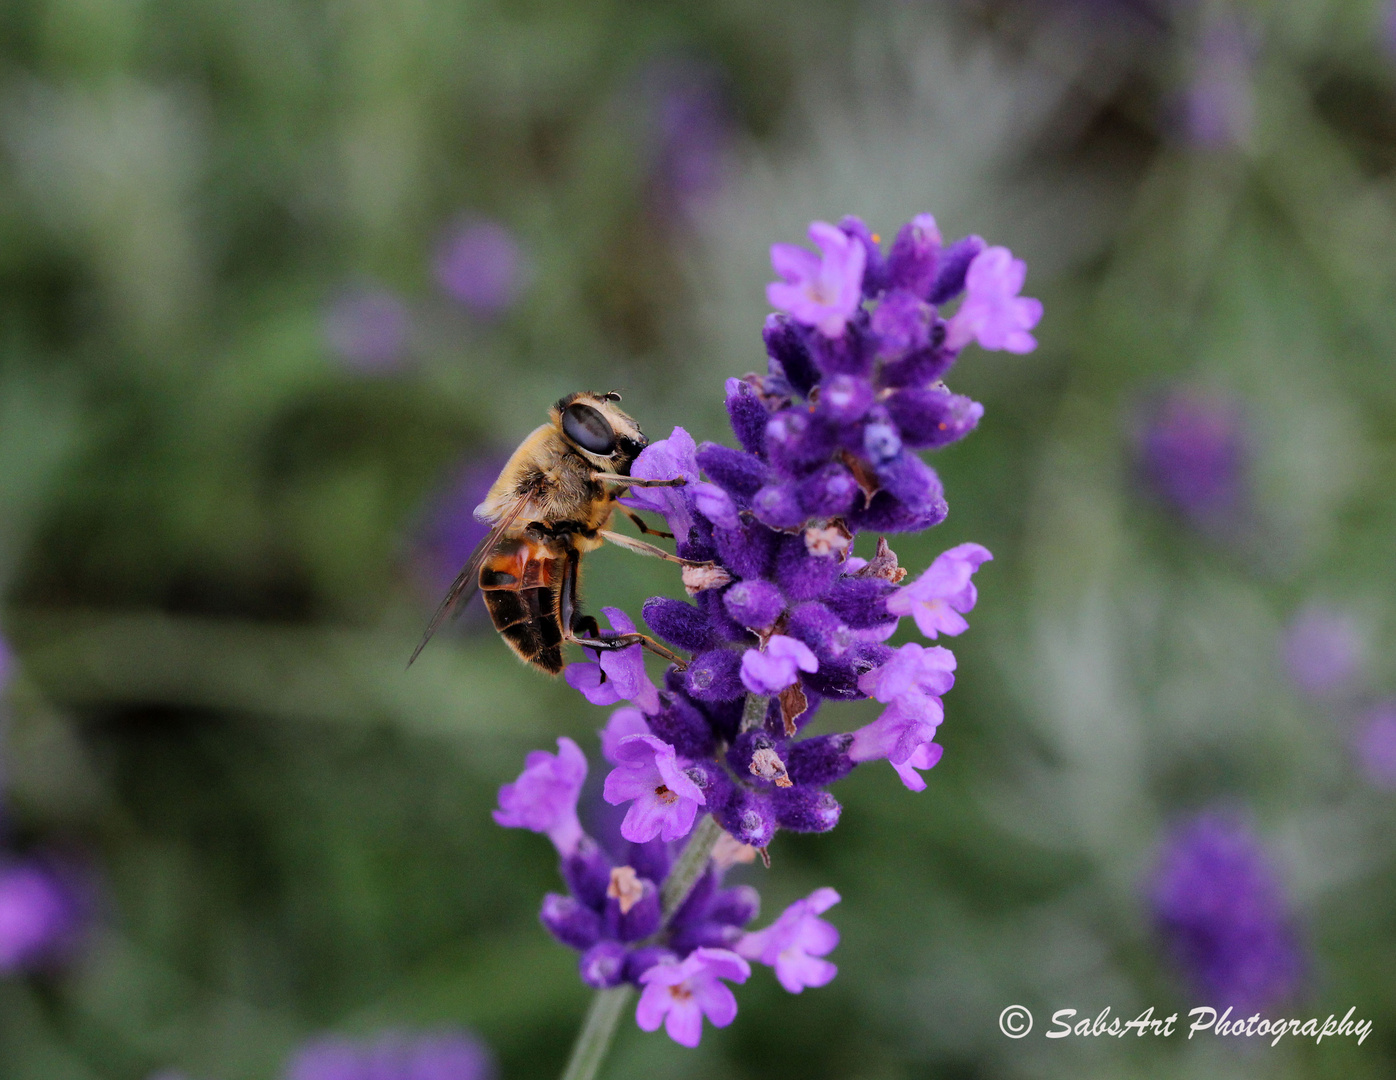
x: 598, y: 1029
x: 607, y: 1006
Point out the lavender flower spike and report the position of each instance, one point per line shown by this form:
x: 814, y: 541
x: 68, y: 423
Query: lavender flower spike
x: 544, y: 797
x: 1219, y: 906
x: 666, y: 799
x: 680, y: 995
x: 771, y: 670
x: 616, y: 676
x: 993, y: 312
x: 940, y: 597
x: 824, y: 290
x: 796, y: 942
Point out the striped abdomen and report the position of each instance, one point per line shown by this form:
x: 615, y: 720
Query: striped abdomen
x: 521, y: 584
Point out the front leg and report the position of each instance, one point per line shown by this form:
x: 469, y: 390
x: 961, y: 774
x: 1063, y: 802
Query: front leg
x: 642, y: 548
x: 633, y: 481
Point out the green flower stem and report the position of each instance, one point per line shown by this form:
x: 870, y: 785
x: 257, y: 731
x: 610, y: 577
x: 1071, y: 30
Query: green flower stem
x: 690, y: 866
x: 599, y: 1028
x: 754, y: 711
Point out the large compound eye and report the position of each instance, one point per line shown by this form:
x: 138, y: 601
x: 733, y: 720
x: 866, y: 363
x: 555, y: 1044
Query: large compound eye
x: 588, y: 429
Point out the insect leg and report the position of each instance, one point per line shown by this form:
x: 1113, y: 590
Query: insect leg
x: 642, y: 548
x: 640, y: 524
x: 633, y: 481
x: 625, y: 641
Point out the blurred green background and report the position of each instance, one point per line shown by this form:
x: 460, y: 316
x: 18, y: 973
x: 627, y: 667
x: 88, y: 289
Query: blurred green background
x: 247, y: 365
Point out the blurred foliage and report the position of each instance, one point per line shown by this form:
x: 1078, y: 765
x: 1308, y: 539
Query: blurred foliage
x: 211, y: 527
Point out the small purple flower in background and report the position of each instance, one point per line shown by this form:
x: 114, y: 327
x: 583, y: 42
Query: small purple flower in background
x: 771, y: 670
x: 993, y: 313
x: 1374, y: 744
x: 6, y: 664
x: 43, y: 914
x: 1194, y: 456
x: 680, y: 995
x: 1219, y: 107
x: 689, y: 133
x: 1323, y: 651
x: 449, y: 530
x: 544, y: 797
x: 944, y: 593
x: 479, y: 264
x: 666, y: 799
x: 1220, y: 909
x: 369, y: 328
x: 442, y: 1055
x: 796, y: 943
x: 821, y: 290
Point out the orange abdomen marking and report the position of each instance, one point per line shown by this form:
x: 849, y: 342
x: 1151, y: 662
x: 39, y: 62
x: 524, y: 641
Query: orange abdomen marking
x: 520, y: 582
x: 518, y: 564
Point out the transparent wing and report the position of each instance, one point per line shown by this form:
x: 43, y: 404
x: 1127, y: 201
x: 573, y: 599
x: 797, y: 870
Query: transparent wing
x: 468, y: 580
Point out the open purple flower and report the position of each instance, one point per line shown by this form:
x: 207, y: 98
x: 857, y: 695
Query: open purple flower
x: 822, y: 290
x: 544, y: 797
x: 618, y: 675
x: 679, y: 995
x: 904, y: 737
x: 666, y: 799
x: 667, y: 459
x: 940, y: 597
x: 913, y: 674
x: 771, y: 670
x: 795, y: 944
x: 993, y: 313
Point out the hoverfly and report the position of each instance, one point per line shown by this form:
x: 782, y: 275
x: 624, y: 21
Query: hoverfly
x: 552, y: 504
